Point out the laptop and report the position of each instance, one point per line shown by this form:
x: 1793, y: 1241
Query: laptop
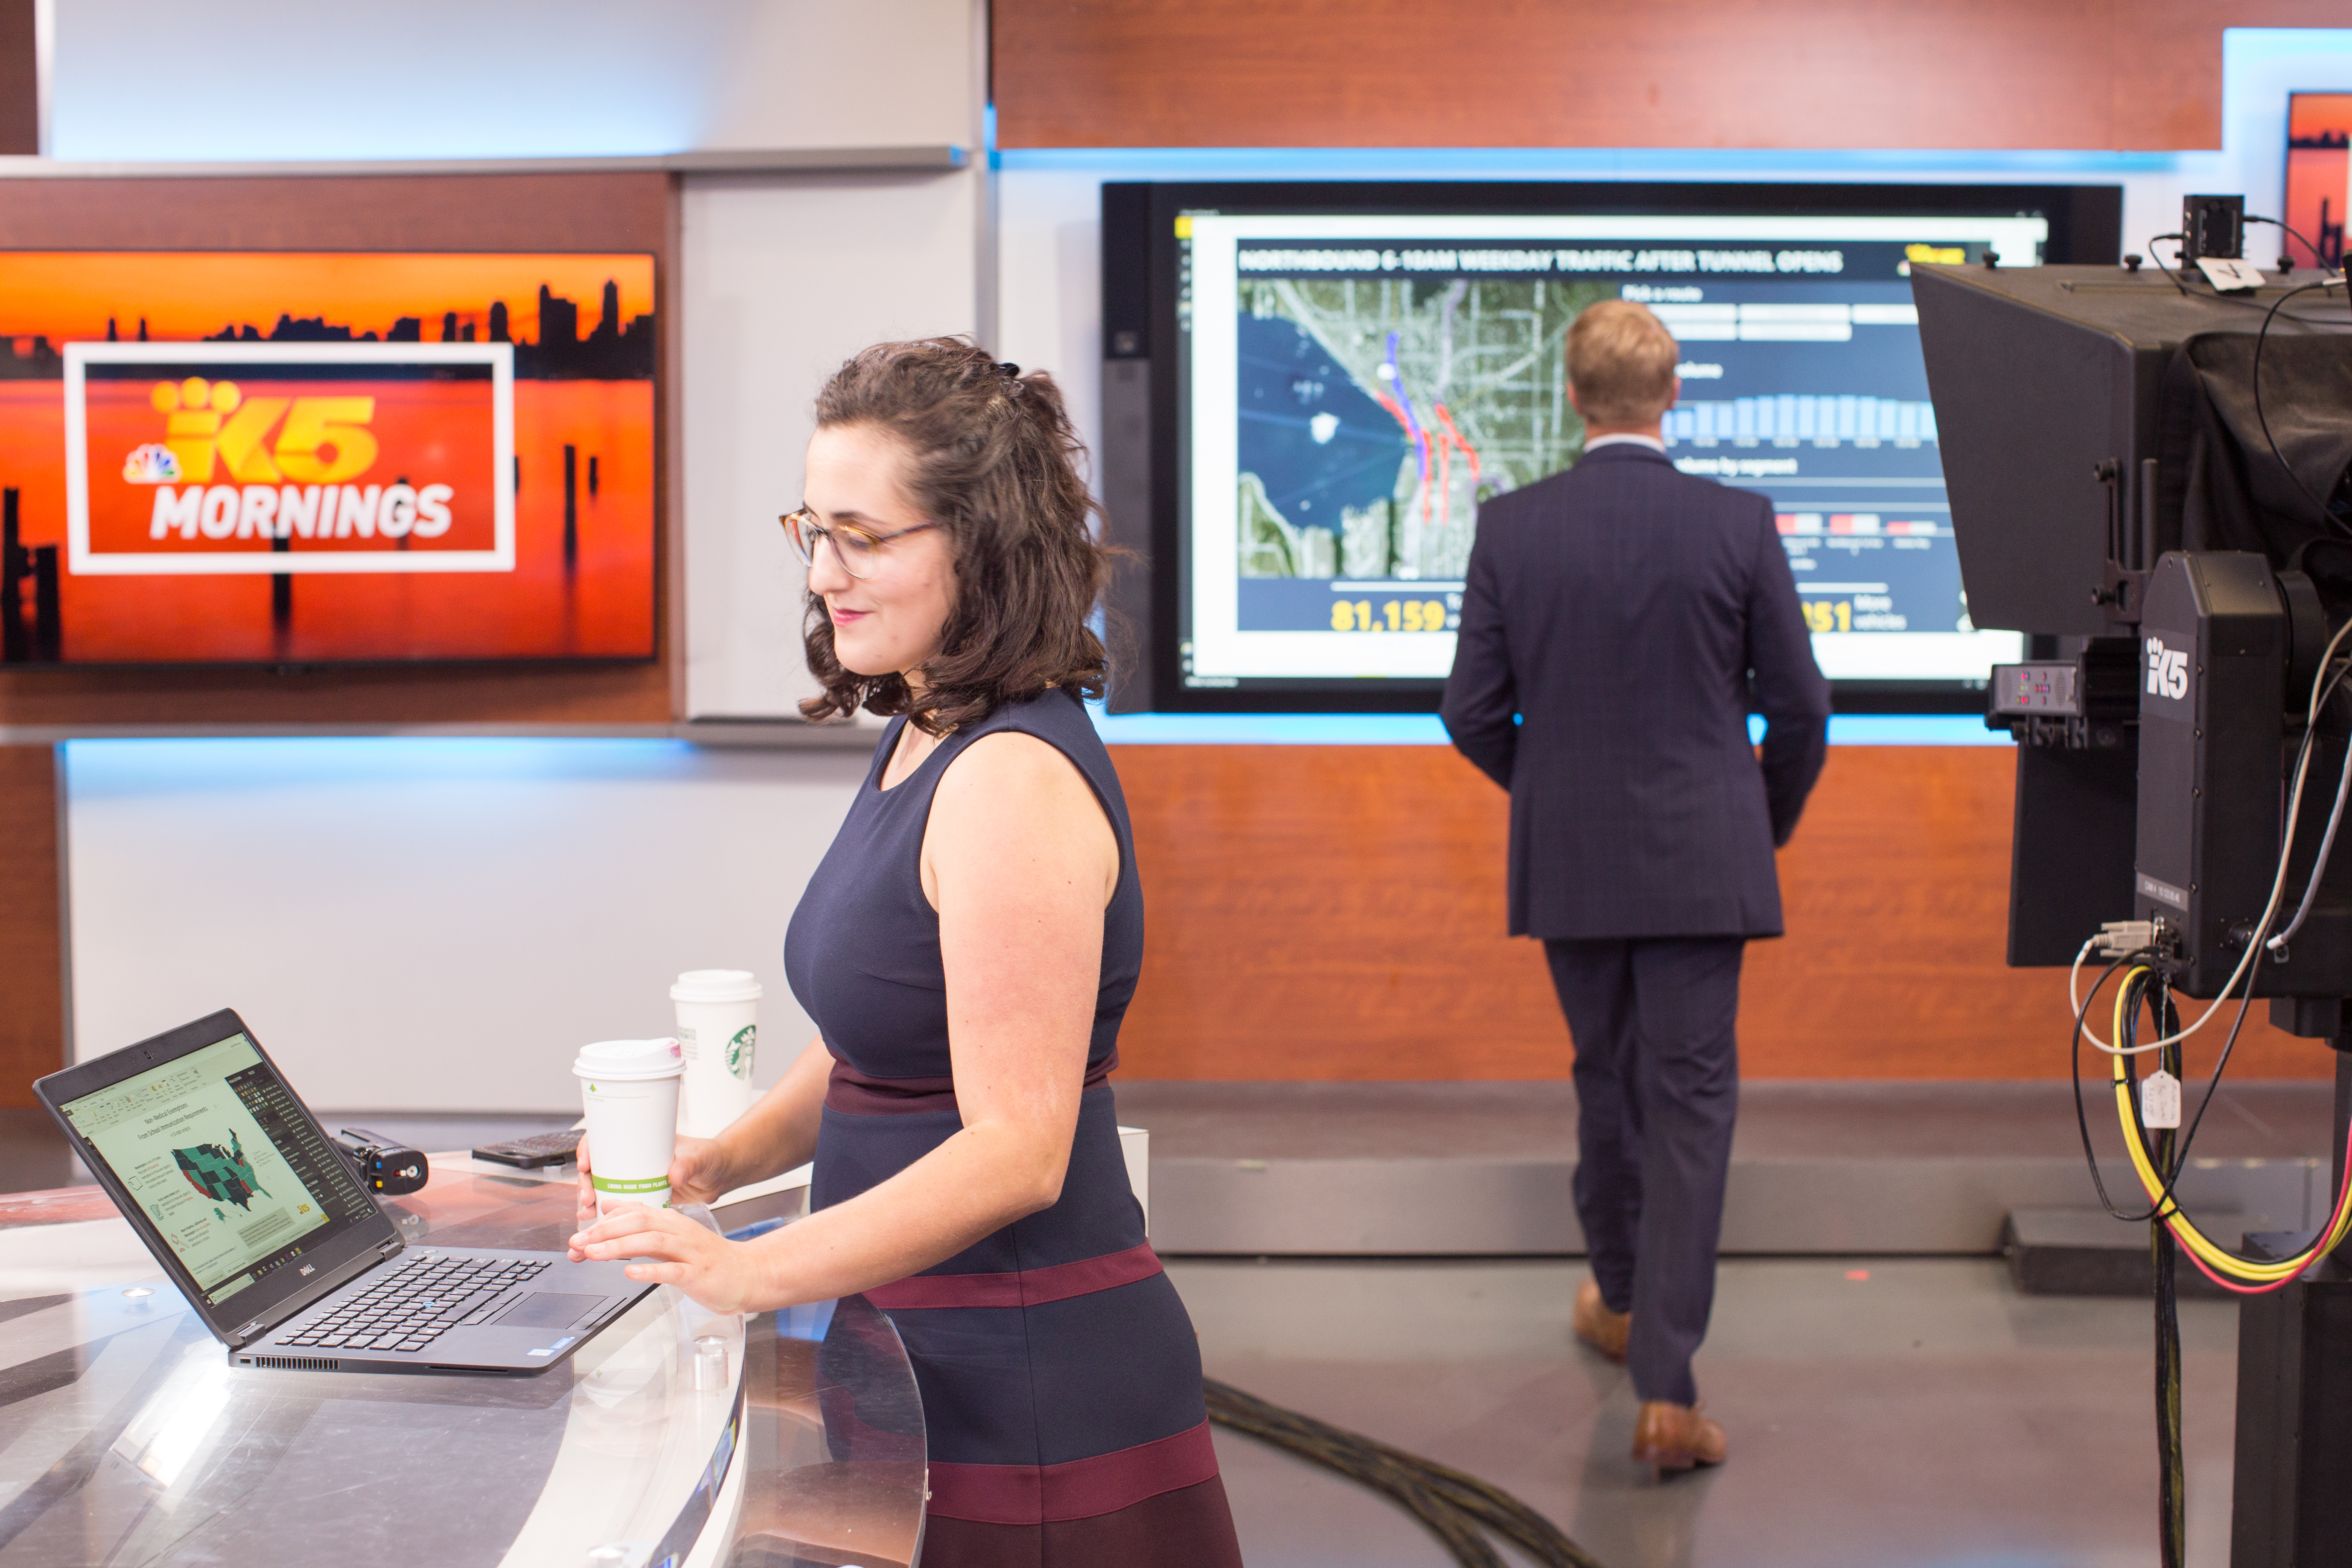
x: 265, y: 1227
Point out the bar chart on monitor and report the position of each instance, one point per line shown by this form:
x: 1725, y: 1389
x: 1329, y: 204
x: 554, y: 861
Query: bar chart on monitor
x: 1822, y: 404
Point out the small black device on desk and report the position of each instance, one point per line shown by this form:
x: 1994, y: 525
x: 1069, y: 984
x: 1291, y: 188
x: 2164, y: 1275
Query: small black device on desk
x: 530, y: 1153
x: 385, y: 1166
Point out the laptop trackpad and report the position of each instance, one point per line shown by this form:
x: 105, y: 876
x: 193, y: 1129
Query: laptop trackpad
x: 543, y: 1309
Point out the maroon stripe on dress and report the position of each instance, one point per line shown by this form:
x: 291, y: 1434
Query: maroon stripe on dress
x: 1192, y: 1527
x: 854, y: 1093
x: 1028, y: 1288
x: 1081, y: 1488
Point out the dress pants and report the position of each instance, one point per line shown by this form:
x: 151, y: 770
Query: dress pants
x: 1657, y: 1088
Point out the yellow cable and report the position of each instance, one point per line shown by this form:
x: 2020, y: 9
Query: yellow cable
x: 2218, y: 1258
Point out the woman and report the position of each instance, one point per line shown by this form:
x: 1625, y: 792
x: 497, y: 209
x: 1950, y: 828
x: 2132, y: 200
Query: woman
x: 968, y: 948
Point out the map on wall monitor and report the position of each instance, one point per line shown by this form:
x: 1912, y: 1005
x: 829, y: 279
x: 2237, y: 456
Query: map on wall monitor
x: 1353, y: 387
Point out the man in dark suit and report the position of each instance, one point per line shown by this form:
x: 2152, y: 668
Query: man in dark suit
x: 1612, y: 622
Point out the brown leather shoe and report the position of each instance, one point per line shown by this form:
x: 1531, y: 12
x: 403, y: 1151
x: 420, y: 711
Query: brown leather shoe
x: 1597, y: 1326
x: 1676, y: 1437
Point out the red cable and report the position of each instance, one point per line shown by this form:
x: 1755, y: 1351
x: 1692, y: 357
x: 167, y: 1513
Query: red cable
x: 2335, y: 1217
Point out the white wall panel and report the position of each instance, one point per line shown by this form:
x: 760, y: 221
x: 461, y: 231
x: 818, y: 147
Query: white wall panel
x: 137, y: 79
x: 785, y: 277
x: 413, y: 925
x: 1049, y: 288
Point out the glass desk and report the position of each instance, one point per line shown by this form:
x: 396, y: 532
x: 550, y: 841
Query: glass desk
x: 127, y: 1438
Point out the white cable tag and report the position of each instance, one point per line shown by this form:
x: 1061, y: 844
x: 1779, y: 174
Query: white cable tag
x: 2230, y: 276
x: 2159, y: 1099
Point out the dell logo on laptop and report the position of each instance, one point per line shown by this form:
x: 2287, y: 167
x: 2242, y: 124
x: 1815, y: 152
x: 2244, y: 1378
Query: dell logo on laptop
x: 309, y: 1268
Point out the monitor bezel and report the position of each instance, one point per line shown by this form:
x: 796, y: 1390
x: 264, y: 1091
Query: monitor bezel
x: 267, y: 1301
x: 2085, y: 226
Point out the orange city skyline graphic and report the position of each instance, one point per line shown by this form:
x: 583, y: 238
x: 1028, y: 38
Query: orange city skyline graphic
x: 193, y: 296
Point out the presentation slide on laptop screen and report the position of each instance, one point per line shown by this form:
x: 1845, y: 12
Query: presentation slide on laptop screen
x: 296, y: 458
x: 213, y: 1148
x: 1352, y: 387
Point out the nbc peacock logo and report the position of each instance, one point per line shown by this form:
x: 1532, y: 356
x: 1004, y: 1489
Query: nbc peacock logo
x: 152, y: 464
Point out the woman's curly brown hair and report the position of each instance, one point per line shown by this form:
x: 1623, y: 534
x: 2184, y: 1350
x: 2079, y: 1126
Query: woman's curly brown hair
x: 991, y: 458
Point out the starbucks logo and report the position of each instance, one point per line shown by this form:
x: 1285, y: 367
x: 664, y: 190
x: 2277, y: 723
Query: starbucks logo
x: 739, y: 1051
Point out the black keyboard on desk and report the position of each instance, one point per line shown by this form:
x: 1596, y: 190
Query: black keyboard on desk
x: 417, y: 1302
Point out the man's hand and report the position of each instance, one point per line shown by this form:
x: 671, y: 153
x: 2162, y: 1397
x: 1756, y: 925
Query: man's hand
x: 666, y: 1248
x: 697, y: 1175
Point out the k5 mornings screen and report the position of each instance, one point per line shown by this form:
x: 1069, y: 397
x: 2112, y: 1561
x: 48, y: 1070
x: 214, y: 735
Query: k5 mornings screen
x: 217, y: 1151
x: 1351, y: 387
x: 302, y: 457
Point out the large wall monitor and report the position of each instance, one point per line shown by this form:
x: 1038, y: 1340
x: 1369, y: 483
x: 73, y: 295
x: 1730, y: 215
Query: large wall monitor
x: 1310, y: 389
x: 306, y: 459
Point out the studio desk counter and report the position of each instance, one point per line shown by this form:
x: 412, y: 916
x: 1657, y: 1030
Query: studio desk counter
x: 126, y: 1437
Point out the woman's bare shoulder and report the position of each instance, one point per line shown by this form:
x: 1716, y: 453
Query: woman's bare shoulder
x: 1008, y: 769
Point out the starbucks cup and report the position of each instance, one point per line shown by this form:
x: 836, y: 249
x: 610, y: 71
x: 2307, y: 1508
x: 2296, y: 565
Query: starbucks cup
x: 630, y: 1091
x: 718, y: 1023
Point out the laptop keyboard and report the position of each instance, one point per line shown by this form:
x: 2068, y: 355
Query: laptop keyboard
x: 417, y: 1302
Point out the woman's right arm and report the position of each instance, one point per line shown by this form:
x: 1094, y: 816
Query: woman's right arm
x: 776, y: 1134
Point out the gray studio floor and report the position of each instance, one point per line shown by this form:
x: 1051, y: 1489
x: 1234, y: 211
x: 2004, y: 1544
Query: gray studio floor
x: 1927, y: 1414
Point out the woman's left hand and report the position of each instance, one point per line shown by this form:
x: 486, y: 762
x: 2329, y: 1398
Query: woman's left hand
x: 666, y: 1248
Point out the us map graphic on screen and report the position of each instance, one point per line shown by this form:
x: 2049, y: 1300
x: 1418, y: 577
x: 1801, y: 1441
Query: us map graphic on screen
x: 1358, y: 385
x: 222, y: 1174
x: 284, y: 458
x: 189, y: 1143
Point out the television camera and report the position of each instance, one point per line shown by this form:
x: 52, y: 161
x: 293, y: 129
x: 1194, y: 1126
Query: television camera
x: 2150, y: 474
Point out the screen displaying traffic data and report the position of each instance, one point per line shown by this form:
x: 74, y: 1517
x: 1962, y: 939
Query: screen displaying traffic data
x: 1351, y: 387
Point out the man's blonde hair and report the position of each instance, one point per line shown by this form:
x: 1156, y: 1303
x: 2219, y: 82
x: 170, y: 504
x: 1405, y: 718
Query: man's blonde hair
x: 1620, y: 360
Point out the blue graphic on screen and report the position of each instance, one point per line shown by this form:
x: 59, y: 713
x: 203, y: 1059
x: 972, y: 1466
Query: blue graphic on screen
x: 1318, y: 448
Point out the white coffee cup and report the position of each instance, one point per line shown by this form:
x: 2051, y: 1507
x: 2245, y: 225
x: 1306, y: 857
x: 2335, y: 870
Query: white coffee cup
x: 719, y: 1021
x: 629, y: 1088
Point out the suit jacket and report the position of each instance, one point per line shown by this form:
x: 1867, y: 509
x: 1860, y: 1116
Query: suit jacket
x: 1611, y: 622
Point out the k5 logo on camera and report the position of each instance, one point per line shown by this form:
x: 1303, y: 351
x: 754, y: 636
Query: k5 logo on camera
x: 286, y: 457
x: 2167, y: 671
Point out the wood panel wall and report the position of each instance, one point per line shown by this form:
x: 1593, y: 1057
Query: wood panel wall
x: 1584, y: 73
x: 32, y: 981
x: 20, y: 78
x: 635, y: 212
x: 1337, y: 912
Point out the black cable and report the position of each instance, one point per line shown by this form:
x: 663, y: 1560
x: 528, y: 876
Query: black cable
x: 1455, y: 1507
x: 2165, y: 1203
x: 2163, y: 1254
x: 2214, y: 295
x: 2327, y: 518
x: 2178, y: 239
x: 2316, y: 259
x: 2075, y: 1059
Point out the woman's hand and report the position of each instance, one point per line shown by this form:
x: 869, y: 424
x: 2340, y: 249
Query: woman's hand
x: 699, y: 1173
x: 666, y: 1248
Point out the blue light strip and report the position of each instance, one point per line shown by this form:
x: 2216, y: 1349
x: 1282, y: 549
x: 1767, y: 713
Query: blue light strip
x: 136, y: 767
x: 1424, y: 729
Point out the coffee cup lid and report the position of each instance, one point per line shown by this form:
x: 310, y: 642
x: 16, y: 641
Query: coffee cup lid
x: 622, y: 1062
x: 715, y: 986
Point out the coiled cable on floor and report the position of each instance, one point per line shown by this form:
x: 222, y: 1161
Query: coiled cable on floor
x: 1460, y: 1510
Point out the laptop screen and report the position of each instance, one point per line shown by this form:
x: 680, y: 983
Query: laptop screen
x: 233, y: 1173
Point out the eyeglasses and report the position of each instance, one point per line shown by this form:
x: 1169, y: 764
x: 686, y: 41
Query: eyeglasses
x: 857, y: 551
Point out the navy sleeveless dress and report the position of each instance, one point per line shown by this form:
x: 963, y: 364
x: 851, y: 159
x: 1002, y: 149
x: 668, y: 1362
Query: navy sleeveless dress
x: 1060, y: 1375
